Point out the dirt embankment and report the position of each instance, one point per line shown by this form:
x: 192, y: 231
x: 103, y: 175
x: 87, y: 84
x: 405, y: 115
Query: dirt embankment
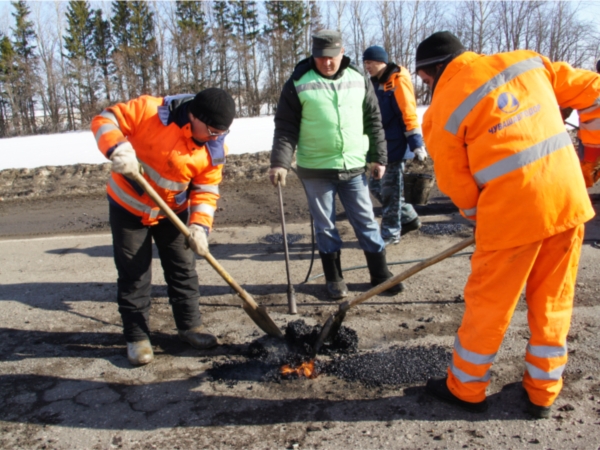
x: 90, y: 179
x: 60, y: 199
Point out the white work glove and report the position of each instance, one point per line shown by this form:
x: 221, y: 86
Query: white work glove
x: 420, y: 153
x: 198, y: 240
x: 277, y: 174
x: 124, y: 160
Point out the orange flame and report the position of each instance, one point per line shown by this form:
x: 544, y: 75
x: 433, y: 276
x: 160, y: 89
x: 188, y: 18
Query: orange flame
x: 306, y: 369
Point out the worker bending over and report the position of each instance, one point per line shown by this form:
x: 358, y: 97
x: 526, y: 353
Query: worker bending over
x: 178, y: 141
x: 501, y: 153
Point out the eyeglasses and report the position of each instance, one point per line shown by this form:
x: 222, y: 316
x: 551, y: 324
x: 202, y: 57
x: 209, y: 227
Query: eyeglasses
x: 219, y: 134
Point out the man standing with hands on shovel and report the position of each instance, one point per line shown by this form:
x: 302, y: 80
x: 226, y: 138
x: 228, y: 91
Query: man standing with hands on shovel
x: 178, y: 142
x: 329, y: 111
x: 503, y: 156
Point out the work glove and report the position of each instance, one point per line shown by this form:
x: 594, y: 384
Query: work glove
x: 124, y: 160
x: 420, y: 153
x: 277, y: 174
x: 198, y: 241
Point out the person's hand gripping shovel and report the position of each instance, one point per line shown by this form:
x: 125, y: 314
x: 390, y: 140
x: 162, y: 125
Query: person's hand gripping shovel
x: 257, y: 313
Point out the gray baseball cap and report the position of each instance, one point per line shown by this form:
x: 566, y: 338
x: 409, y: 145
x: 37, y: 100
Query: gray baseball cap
x: 327, y: 43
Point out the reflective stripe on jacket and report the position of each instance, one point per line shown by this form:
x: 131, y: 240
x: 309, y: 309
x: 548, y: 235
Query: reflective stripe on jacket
x: 183, y: 173
x: 398, y: 111
x: 500, y: 147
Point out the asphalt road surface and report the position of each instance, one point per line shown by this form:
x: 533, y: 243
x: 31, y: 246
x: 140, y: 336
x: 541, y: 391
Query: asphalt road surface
x: 65, y: 381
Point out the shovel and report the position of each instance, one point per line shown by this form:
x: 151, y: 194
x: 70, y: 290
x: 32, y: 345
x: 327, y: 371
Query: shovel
x: 334, y: 322
x: 257, y: 313
x: 290, y: 291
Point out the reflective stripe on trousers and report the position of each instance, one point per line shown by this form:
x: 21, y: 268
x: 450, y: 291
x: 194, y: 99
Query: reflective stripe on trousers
x: 547, y: 270
x: 482, y: 361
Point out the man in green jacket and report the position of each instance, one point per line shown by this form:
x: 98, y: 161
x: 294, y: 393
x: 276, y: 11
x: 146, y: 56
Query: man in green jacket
x: 329, y: 112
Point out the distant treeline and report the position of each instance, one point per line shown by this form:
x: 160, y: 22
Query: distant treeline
x: 61, y: 63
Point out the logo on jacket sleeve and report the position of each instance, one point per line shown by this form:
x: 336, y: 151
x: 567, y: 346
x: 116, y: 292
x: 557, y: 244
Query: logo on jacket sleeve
x: 508, y: 103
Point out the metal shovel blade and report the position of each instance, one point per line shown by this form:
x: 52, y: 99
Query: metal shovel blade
x: 330, y: 328
x: 263, y: 320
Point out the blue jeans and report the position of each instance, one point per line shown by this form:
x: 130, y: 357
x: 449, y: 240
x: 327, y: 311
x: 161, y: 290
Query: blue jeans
x: 389, y: 191
x: 354, y: 195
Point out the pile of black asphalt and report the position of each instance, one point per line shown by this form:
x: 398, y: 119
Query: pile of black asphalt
x: 395, y: 366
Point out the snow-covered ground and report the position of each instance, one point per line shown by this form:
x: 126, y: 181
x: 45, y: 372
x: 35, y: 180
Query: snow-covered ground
x: 247, y: 136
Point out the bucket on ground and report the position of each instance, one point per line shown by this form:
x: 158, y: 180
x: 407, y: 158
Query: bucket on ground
x: 417, y: 187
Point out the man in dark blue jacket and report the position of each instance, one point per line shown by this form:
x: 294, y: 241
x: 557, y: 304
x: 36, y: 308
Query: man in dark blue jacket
x: 402, y: 132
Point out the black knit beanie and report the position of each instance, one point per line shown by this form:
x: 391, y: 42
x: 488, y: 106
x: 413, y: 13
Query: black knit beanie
x: 437, y: 48
x: 214, y: 107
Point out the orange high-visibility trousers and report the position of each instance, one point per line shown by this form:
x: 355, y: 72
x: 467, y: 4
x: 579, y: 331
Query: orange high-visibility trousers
x: 548, y: 269
x: 590, y: 165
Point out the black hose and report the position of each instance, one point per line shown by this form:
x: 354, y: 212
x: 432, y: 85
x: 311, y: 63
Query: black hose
x: 312, y: 232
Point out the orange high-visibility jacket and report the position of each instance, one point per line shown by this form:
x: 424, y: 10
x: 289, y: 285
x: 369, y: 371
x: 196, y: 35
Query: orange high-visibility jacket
x: 500, y: 147
x: 183, y: 173
x: 404, y: 94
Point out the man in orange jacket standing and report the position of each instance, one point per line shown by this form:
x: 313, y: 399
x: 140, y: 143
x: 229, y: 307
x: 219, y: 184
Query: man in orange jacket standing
x: 178, y: 141
x: 501, y: 153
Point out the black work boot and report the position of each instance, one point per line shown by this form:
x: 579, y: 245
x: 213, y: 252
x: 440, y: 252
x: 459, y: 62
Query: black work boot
x: 536, y: 411
x: 439, y: 389
x: 379, y: 271
x: 332, y: 267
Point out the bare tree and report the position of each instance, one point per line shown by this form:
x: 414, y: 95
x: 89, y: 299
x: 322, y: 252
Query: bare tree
x: 359, y: 14
x: 51, y: 81
x: 474, y: 24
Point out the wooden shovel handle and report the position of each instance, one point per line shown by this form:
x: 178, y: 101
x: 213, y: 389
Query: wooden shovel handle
x: 407, y: 273
x: 139, y: 179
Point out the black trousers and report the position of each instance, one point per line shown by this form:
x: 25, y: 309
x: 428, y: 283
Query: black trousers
x: 132, y: 246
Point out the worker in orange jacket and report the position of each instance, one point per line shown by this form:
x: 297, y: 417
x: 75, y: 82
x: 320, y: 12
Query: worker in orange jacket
x: 178, y: 142
x: 589, y: 141
x: 502, y: 154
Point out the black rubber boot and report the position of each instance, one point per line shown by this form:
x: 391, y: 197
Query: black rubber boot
x: 332, y: 267
x: 439, y: 389
x: 537, y: 411
x: 379, y: 271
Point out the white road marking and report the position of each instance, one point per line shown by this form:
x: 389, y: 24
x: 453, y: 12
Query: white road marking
x: 54, y: 238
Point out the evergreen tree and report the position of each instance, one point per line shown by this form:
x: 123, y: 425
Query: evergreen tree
x: 192, y: 45
x: 246, y: 32
x: 26, y: 66
x: 7, y: 79
x: 296, y: 19
x: 143, y: 48
x: 101, y: 50
x: 120, y: 24
x: 315, y: 24
x: 222, y: 30
x: 287, y: 23
x: 78, y: 47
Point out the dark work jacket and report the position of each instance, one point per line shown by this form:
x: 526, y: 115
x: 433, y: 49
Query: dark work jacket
x: 391, y: 117
x: 289, y: 115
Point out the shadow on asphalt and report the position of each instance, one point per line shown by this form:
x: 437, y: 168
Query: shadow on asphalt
x: 58, y: 296
x: 38, y: 399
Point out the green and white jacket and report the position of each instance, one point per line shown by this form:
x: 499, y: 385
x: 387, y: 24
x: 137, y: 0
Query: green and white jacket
x: 334, y: 123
